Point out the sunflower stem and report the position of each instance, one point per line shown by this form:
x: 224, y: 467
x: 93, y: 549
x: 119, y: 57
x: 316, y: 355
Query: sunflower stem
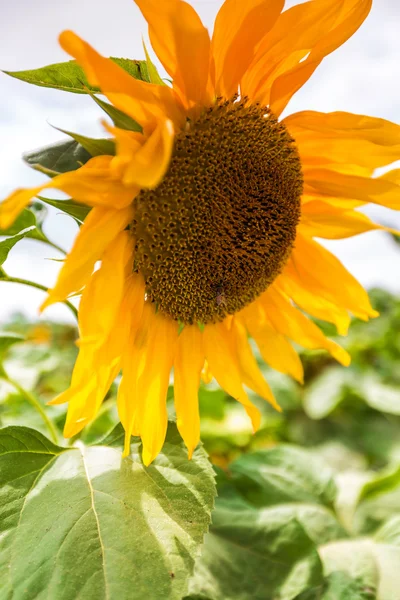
x: 38, y: 286
x: 36, y: 405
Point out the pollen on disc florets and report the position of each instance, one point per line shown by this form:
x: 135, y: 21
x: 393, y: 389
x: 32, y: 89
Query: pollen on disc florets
x: 220, y: 226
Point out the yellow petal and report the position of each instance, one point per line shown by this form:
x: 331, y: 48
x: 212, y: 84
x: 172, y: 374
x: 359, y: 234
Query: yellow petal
x: 239, y: 28
x: 206, y: 374
x: 322, y: 220
x: 85, y: 400
x: 275, y: 349
x: 251, y: 374
x: 345, y: 138
x: 102, y: 296
x: 129, y: 321
x: 289, y: 321
x: 220, y: 353
x: 292, y: 285
x: 182, y: 44
x: 188, y: 364
x: 98, y: 365
x: 381, y: 190
x: 324, y: 275
x: 143, y: 164
x: 92, y: 184
x: 156, y: 346
x: 145, y: 102
x: 296, y: 45
x: 101, y: 227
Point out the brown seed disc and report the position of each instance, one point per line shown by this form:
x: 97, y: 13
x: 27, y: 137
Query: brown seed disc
x: 220, y: 226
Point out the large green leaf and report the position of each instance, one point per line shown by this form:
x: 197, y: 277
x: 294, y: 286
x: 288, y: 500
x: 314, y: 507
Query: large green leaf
x: 70, y: 77
x: 326, y: 392
x: 84, y: 523
x: 381, y: 396
x: 283, y: 474
x: 273, y: 510
x: 255, y: 554
x: 379, y: 500
x: 374, y: 564
x: 339, y: 586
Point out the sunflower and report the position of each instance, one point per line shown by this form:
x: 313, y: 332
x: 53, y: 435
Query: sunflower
x: 204, y: 222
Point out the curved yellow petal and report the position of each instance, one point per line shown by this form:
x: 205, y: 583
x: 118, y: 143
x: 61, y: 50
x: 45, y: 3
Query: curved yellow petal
x: 145, y: 102
x: 188, y: 364
x: 324, y: 275
x: 239, y: 28
x: 275, y: 349
x: 101, y: 227
x: 156, y: 345
x: 98, y: 363
x: 289, y: 321
x: 85, y: 400
x: 143, y: 162
x: 91, y: 184
x: 103, y: 294
x: 351, y: 15
x: 220, y: 353
x: 182, y: 44
x: 251, y: 374
x: 325, y: 221
x: 130, y: 320
x: 296, y: 45
x: 384, y: 190
x: 345, y: 138
x: 292, y: 285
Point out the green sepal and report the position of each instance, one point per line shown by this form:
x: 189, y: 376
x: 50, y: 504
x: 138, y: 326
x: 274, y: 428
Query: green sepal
x: 76, y: 210
x: 95, y: 146
x: 119, y: 118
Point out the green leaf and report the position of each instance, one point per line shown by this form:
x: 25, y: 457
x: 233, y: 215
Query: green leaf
x: 119, y: 118
x: 9, y: 243
x: 375, y: 565
x: 60, y: 157
x: 339, y: 586
x: 283, y: 474
x: 255, y: 554
x: 274, y: 508
x: 70, y: 77
x: 379, y: 499
x: 95, y: 147
x: 8, y: 339
x: 380, y: 396
x: 325, y: 393
x: 70, y: 207
x: 24, y: 220
x: 84, y: 523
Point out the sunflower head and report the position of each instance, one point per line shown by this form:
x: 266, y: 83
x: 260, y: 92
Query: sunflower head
x: 204, y: 220
x: 221, y: 225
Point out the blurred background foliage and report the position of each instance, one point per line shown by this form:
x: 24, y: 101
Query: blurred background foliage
x: 316, y: 490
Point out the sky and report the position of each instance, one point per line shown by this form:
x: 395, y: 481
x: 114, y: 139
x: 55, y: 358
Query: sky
x: 361, y: 77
